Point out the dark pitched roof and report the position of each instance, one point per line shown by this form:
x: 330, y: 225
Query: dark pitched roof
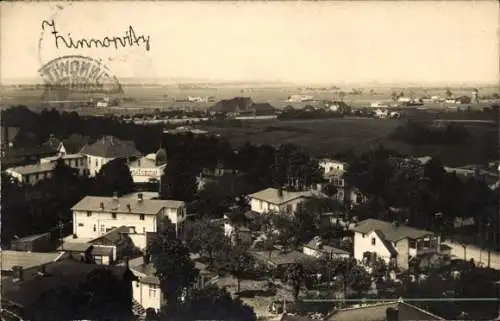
x: 389, y: 231
x: 378, y: 312
x: 53, y: 142
x: 66, y: 273
x: 115, y: 235
x: 111, y: 147
x: 75, y: 142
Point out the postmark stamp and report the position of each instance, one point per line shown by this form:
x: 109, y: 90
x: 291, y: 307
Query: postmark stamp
x: 77, y: 74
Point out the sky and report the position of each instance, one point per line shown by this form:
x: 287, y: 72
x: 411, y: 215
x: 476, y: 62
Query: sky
x: 337, y: 42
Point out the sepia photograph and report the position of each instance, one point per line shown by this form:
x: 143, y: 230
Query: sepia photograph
x: 250, y: 160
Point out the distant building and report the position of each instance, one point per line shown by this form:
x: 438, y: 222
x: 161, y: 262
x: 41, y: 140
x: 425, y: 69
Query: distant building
x: 299, y: 98
x: 149, y: 168
x: 184, y: 130
x: 31, y: 174
x: 95, y: 216
x: 26, y: 263
x: 393, y: 242
x: 273, y: 200
x: 76, y: 161
x: 107, y: 149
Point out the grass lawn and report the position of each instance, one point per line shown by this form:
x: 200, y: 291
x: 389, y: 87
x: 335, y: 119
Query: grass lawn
x: 327, y: 137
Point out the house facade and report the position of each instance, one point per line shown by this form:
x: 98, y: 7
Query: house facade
x: 95, y: 216
x: 272, y: 200
x: 107, y: 149
x: 149, y: 168
x: 394, y: 243
x: 76, y: 161
x: 31, y: 174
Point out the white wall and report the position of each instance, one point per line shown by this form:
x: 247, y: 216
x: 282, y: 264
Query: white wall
x: 104, y: 220
x: 143, y: 175
x: 266, y: 207
x: 148, y: 295
x: 95, y: 163
x: 332, y: 166
x: 139, y: 240
x: 364, y: 244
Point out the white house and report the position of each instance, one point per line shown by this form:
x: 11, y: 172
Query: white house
x: 95, y: 216
x: 77, y: 161
x: 107, y: 149
x: 149, y: 168
x: 274, y: 200
x: 31, y: 174
x: 393, y: 242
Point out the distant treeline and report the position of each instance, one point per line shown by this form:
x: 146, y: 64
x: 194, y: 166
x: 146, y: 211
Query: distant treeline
x: 420, y: 133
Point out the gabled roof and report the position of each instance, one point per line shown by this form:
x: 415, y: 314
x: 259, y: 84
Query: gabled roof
x: 272, y: 195
x: 115, y: 235
x: 378, y: 312
x: 389, y: 231
x: 324, y: 248
x: 30, y: 238
x: 146, y: 206
x: 26, y: 259
x: 111, y: 147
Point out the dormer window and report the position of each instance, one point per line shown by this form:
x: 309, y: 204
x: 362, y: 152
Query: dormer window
x: 141, y: 217
x: 374, y: 241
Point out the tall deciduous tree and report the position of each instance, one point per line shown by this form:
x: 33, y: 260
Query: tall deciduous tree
x: 235, y: 261
x: 113, y: 177
x: 210, y: 303
x: 174, y: 267
x: 205, y: 237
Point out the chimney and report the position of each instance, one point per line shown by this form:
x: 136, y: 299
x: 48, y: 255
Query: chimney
x: 102, y: 206
x: 146, y: 258
x: 139, y: 197
x: 115, y: 196
x: 280, y: 192
x: 392, y: 314
x: 18, y: 272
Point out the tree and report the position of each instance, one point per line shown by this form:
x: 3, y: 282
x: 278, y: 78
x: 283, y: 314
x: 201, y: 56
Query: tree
x: 174, y: 267
x: 295, y: 275
x: 205, y: 237
x: 235, y: 261
x: 358, y: 279
x: 100, y: 294
x: 448, y: 93
x: 211, y: 303
x: 113, y: 177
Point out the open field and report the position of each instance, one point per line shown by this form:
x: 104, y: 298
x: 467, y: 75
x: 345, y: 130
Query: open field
x: 327, y: 137
x: 151, y: 97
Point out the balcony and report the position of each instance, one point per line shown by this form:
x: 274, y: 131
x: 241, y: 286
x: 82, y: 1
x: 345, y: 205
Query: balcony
x: 423, y: 246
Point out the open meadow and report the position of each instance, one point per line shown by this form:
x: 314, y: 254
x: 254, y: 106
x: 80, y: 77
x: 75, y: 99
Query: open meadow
x: 327, y: 137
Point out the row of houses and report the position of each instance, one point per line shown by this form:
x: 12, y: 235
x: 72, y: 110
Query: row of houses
x: 90, y: 159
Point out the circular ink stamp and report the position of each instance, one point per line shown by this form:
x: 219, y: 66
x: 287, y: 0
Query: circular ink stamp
x: 69, y: 76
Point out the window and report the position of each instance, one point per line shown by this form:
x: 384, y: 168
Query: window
x: 373, y: 241
x: 113, y: 215
x: 80, y: 224
x: 90, y: 161
x: 95, y: 228
x: 97, y: 162
x: 141, y: 217
x: 289, y: 208
x: 152, y: 290
x: 89, y: 213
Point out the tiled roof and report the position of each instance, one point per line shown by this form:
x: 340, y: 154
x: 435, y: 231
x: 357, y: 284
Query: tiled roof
x: 146, y: 206
x: 75, y: 142
x: 389, y: 231
x: 65, y: 156
x: 30, y: 238
x: 115, y: 235
x: 111, y: 147
x: 26, y: 259
x: 32, y: 169
x: 378, y: 312
x: 53, y: 142
x: 271, y: 195
x: 325, y: 248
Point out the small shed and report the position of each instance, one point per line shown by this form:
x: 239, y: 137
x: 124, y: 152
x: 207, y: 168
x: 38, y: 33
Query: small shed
x: 33, y: 243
